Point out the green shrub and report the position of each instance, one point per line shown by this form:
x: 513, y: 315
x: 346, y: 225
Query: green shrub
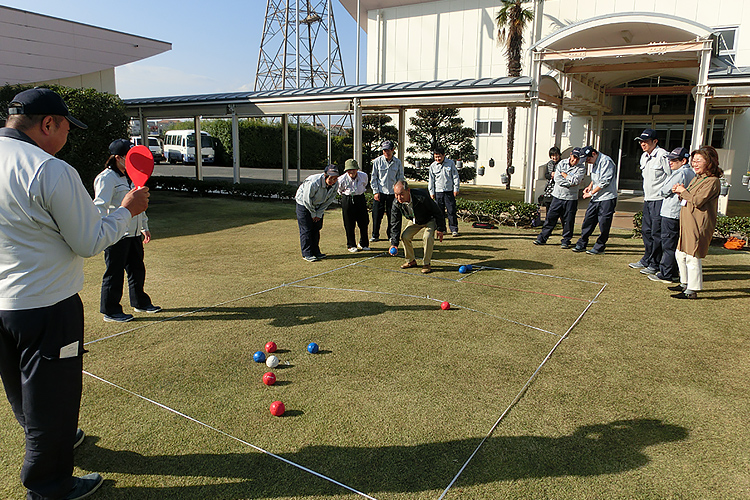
x: 249, y: 190
x: 725, y: 226
x: 86, y: 150
x: 508, y: 213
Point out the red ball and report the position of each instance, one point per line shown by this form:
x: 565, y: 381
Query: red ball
x: 269, y: 378
x: 445, y: 306
x: 277, y: 408
x: 270, y: 347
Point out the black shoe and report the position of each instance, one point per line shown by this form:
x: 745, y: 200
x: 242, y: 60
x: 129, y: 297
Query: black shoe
x: 150, y: 309
x: 677, y: 288
x: 118, y: 318
x: 685, y: 295
x: 85, y: 486
x: 594, y: 251
x: 578, y: 249
x: 537, y: 242
x: 564, y: 246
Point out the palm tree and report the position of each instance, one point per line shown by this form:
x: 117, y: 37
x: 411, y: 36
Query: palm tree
x: 511, y: 22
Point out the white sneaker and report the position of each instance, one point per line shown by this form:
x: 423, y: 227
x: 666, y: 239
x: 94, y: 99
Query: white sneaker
x: 353, y: 249
x: 311, y: 258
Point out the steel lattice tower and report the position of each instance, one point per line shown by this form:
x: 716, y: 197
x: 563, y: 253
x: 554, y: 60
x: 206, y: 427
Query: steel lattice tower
x: 278, y: 59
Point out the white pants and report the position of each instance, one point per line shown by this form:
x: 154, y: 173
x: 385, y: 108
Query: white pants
x: 691, y: 270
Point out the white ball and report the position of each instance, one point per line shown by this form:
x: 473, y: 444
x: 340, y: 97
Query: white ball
x: 272, y: 362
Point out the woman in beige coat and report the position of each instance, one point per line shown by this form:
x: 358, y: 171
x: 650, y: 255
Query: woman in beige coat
x: 697, y: 220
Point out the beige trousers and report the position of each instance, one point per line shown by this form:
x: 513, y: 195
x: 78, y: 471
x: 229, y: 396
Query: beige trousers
x: 428, y: 238
x: 691, y: 270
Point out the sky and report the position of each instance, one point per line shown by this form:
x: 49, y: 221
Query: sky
x: 215, y: 44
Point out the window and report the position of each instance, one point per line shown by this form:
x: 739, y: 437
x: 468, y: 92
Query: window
x: 565, y: 128
x: 488, y: 127
x: 727, y: 39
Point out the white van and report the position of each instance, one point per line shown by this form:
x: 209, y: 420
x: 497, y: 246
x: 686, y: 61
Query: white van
x: 179, y: 146
x: 155, y: 145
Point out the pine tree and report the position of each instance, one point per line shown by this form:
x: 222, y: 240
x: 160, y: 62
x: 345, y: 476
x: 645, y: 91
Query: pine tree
x: 439, y: 127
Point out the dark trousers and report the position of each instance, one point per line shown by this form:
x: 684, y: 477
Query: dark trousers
x: 670, y: 235
x: 44, y: 390
x: 601, y: 213
x: 651, y: 231
x: 559, y: 209
x: 124, y: 256
x: 447, y: 203
x: 309, y: 232
x: 378, y: 209
x: 354, y: 211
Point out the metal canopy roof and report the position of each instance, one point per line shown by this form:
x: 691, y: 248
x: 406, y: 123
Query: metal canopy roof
x: 386, y: 97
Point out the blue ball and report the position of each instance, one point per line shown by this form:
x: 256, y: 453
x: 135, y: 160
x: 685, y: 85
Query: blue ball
x: 393, y: 251
x: 312, y: 348
x: 259, y: 357
x: 469, y: 268
x: 462, y: 270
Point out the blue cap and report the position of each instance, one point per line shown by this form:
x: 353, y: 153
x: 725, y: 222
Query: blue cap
x: 587, y: 152
x: 120, y: 147
x: 647, y: 135
x: 678, y: 154
x: 576, y: 152
x: 331, y: 170
x: 41, y: 101
x: 386, y: 145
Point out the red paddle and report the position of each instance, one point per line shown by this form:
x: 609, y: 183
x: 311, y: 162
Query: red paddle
x: 139, y: 162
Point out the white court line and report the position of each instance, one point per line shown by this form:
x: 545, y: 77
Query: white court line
x: 226, y: 302
x: 289, y: 462
x: 430, y: 298
x: 522, y: 392
x: 524, y: 272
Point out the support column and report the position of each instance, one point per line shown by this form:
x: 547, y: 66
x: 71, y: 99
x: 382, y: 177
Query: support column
x: 235, y: 146
x: 401, y: 133
x: 559, y: 124
x: 357, y: 130
x: 701, y: 90
x: 198, y: 148
x: 285, y: 149
x: 533, y: 115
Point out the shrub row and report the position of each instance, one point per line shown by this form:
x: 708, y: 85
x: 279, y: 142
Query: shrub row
x: 507, y: 213
x: 726, y: 227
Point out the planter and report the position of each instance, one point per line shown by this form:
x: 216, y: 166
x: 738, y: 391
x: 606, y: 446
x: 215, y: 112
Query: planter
x: 480, y: 171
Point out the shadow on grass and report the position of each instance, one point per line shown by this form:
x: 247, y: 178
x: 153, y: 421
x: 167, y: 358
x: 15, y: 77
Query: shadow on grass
x: 592, y: 450
x: 303, y: 313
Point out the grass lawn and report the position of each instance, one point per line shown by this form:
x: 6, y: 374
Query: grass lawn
x: 641, y: 396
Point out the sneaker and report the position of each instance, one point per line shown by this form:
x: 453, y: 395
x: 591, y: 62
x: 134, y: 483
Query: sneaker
x: 660, y: 278
x: 374, y: 238
x: 454, y: 233
x: 594, y: 251
x: 85, y: 486
x: 321, y: 256
x: 353, y: 249
x: 365, y: 248
x: 578, y: 249
x: 311, y: 258
x: 426, y: 269
x: 118, y: 318
x: 648, y: 270
x: 150, y: 309
x: 677, y: 288
x: 80, y: 436
x: 409, y: 265
x: 636, y: 265
x: 685, y: 295
x: 537, y: 242
x: 564, y: 246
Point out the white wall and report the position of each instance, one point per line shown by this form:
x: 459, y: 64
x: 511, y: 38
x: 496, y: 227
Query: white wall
x: 102, y: 81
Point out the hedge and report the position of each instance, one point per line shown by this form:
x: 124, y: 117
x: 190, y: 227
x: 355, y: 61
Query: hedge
x: 498, y: 212
x: 726, y: 227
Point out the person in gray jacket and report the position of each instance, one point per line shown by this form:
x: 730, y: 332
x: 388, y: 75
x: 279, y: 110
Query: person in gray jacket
x: 442, y: 183
x: 568, y: 175
x: 48, y: 224
x: 655, y: 170
x: 603, y: 193
x: 386, y: 171
x: 314, y: 195
x: 670, y: 216
x: 110, y: 186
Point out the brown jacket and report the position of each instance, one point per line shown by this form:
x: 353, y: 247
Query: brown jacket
x: 698, y: 215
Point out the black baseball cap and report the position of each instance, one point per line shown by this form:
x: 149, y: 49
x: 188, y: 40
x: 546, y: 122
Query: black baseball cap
x: 647, y: 135
x: 386, y: 145
x: 41, y: 101
x: 332, y: 171
x: 587, y: 152
x: 679, y: 154
x: 120, y: 147
x: 576, y: 152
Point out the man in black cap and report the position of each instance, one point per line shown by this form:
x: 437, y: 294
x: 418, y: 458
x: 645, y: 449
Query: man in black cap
x: 568, y: 175
x: 47, y: 225
x: 603, y: 193
x: 655, y: 170
x: 386, y: 170
x: 314, y: 195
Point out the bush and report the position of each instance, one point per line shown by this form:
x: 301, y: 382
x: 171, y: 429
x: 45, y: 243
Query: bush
x: 508, y: 213
x: 249, y: 190
x: 86, y: 150
x: 726, y: 227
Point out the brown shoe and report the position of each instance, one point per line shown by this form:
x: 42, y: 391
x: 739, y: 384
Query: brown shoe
x: 408, y: 265
x: 426, y: 269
